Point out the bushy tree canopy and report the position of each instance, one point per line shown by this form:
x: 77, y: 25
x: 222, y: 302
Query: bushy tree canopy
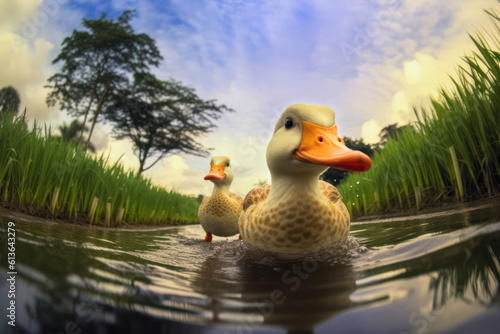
x: 9, y: 100
x: 161, y: 118
x: 392, y: 131
x: 96, y: 61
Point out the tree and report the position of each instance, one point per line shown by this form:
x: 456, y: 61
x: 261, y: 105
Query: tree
x: 70, y: 133
x: 97, y: 61
x: 392, y: 131
x: 161, y: 118
x: 9, y: 100
x: 334, y: 175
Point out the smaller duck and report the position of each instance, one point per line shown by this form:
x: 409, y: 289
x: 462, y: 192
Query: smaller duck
x: 218, y: 213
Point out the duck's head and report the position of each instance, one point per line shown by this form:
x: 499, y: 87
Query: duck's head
x: 306, y: 141
x: 220, y: 171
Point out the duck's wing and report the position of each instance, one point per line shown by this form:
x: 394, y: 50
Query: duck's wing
x: 330, y: 192
x: 256, y: 195
x: 236, y: 197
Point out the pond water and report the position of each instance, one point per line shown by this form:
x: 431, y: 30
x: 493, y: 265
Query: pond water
x: 435, y: 273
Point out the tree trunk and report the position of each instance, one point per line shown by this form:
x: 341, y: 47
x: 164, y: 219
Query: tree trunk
x: 97, y: 111
x: 142, y: 161
x: 86, y: 114
x: 141, y: 167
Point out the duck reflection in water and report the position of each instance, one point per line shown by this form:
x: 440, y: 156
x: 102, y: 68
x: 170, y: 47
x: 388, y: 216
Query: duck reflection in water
x: 257, y: 290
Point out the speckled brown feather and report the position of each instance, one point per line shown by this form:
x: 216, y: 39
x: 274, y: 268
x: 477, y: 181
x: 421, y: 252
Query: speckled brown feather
x: 297, y: 226
x: 236, y: 197
x: 256, y: 195
x: 218, y: 213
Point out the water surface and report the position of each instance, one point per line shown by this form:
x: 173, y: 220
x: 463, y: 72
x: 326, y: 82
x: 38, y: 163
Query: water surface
x: 429, y: 274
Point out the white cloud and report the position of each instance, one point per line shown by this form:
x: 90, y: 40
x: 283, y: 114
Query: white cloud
x: 24, y: 67
x: 370, y: 131
x: 412, y: 71
x: 411, y: 59
x: 400, y: 107
x: 100, y: 138
x: 120, y: 150
x: 13, y: 14
x: 173, y: 172
x: 27, y: 51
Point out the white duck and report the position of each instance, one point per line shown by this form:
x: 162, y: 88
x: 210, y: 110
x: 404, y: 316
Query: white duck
x: 218, y: 213
x: 298, y: 214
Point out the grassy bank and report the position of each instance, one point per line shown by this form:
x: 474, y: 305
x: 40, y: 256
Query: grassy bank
x: 454, y: 152
x: 45, y: 176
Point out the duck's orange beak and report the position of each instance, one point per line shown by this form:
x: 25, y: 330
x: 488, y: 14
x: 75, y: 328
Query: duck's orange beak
x: 216, y: 172
x: 323, y: 146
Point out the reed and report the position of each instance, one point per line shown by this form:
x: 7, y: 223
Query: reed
x: 465, y: 117
x: 41, y: 174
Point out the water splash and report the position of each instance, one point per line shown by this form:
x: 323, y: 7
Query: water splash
x: 238, y: 250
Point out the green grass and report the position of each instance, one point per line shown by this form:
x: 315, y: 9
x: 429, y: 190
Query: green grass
x: 34, y: 163
x: 465, y: 117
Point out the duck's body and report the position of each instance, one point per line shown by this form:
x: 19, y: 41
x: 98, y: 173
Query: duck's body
x: 295, y: 224
x: 298, y: 214
x: 218, y: 213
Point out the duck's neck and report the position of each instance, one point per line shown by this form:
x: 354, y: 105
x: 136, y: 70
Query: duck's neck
x: 221, y: 188
x: 287, y: 188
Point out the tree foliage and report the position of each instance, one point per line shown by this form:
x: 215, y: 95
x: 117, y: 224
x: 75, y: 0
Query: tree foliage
x: 71, y: 133
x: 97, y: 61
x: 9, y: 100
x: 334, y: 175
x: 392, y: 131
x: 161, y: 118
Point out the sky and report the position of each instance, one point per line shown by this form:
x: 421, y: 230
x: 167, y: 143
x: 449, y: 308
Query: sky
x: 369, y: 60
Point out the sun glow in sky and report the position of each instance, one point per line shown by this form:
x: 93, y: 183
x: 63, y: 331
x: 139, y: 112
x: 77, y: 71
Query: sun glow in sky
x: 369, y: 60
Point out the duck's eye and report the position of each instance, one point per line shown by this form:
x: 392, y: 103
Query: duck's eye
x: 288, y: 123
x: 227, y: 164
